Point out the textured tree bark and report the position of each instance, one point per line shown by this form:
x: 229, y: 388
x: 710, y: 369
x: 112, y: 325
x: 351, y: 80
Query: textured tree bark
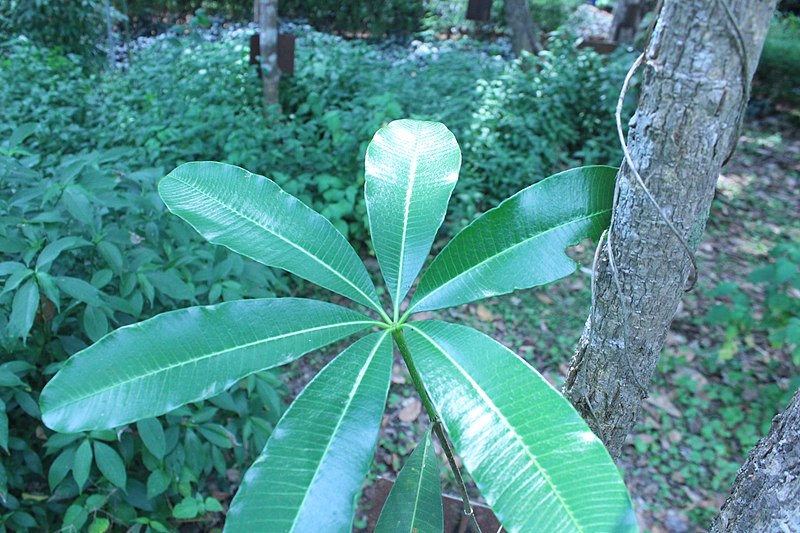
x: 525, y: 34
x: 684, y: 128
x: 766, y: 493
x: 626, y: 20
x: 268, y: 49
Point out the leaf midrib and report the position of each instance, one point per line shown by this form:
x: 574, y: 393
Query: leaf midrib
x: 412, y: 173
x: 505, y: 422
x: 208, y: 356
x: 232, y: 209
x: 350, y: 398
x: 504, y: 251
x: 417, y: 494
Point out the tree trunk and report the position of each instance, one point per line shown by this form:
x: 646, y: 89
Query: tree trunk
x: 268, y: 50
x: 627, y: 17
x: 766, y: 493
x: 685, y: 127
x: 525, y: 33
x: 110, y: 36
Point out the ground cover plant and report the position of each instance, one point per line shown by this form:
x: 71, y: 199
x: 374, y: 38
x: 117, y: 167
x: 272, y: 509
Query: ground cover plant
x: 518, y: 437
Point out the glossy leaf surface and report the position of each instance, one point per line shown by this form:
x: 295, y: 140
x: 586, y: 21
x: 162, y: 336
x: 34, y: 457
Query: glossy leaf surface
x: 309, y: 475
x: 411, y: 169
x: 520, y: 243
x: 532, y: 456
x: 251, y: 215
x: 415, y: 501
x: 152, y: 367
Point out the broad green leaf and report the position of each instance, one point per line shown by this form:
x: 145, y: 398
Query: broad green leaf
x: 520, y: 243
x: 51, y: 252
x: 60, y: 468
x: 150, y: 368
x: 23, y: 310
x: 186, y: 509
x: 152, y: 435
x: 95, y: 322
x: 309, y: 475
x: 251, y: 215
x: 530, y: 453
x: 415, y: 502
x: 411, y: 169
x: 82, y: 463
x: 80, y: 290
x: 157, y: 483
x: 110, y: 464
x: 15, y: 279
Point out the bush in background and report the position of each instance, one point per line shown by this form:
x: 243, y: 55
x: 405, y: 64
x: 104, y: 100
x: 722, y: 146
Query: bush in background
x: 779, y: 65
x: 543, y: 114
x: 65, y: 26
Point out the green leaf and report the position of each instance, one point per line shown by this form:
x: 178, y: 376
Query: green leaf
x: 251, y: 215
x: 23, y: 310
x: 520, y: 243
x: 80, y: 290
x: 110, y: 464
x: 212, y: 505
x: 95, y: 322
x: 60, y: 468
x: 82, y: 463
x: 15, y: 279
x: 152, y: 435
x: 112, y: 255
x: 99, y: 525
x: 157, y: 483
x: 150, y: 368
x: 3, y: 426
x: 51, y: 252
x: 74, y: 518
x: 530, y: 453
x: 415, y: 502
x: 411, y: 169
x: 186, y: 509
x: 310, y: 472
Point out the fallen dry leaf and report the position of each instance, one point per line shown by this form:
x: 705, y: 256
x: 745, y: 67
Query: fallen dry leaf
x: 410, y: 410
x: 483, y: 313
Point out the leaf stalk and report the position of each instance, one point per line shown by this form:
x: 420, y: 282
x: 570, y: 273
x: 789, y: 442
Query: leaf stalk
x: 436, y: 422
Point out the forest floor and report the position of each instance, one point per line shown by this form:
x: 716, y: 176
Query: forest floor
x: 719, y: 382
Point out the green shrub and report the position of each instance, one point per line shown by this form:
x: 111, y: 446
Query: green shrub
x: 779, y: 64
x: 542, y: 114
x: 87, y: 248
x: 776, y: 313
x: 67, y: 26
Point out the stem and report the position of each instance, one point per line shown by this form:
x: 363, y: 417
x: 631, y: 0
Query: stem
x: 438, y: 428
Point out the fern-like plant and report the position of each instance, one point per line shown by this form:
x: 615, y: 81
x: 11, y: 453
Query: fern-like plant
x: 532, y: 456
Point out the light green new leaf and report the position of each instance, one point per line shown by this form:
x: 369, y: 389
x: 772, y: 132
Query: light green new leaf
x: 411, y: 169
x: 415, y: 503
x: 150, y: 368
x: 251, y: 215
x: 309, y: 475
x: 520, y: 243
x: 532, y: 456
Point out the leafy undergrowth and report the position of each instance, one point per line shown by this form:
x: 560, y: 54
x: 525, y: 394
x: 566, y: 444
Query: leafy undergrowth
x: 709, y: 403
